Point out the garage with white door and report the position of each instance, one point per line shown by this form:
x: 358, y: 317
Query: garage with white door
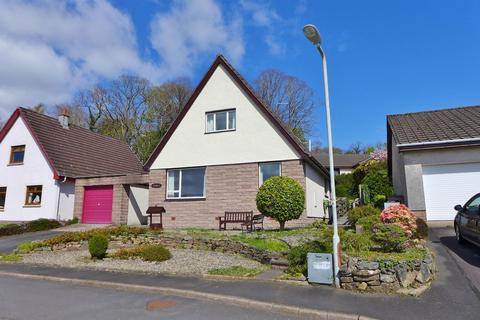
x: 445, y: 186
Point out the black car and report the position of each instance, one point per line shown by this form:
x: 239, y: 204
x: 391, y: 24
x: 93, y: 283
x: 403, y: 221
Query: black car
x: 467, y: 221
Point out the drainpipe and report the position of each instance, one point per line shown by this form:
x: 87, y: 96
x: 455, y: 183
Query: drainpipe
x: 58, y: 197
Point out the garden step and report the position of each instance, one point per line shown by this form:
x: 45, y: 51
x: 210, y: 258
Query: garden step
x: 278, y: 263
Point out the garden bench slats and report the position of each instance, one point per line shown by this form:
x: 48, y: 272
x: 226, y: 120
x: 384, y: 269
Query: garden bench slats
x: 234, y: 217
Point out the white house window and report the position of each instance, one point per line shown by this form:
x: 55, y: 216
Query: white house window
x: 186, y: 183
x: 269, y: 169
x: 221, y: 121
x: 34, y: 196
x: 3, y: 195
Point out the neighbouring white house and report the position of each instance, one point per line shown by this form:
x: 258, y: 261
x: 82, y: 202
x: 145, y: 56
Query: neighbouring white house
x: 343, y: 163
x: 434, y: 159
x: 42, y: 157
x: 220, y: 149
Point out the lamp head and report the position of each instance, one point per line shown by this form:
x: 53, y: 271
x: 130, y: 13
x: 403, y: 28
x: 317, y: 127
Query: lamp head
x: 312, y: 34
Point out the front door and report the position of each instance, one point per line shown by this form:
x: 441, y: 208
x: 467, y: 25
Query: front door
x: 97, y: 205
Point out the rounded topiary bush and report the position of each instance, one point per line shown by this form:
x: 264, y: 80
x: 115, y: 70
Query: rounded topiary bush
x: 97, y: 246
x: 281, y: 198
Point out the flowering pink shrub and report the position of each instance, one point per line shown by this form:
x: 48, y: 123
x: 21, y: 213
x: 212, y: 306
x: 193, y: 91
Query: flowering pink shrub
x: 379, y: 154
x: 400, y: 215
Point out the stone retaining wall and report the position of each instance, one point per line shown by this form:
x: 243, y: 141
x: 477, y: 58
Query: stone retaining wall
x: 385, y: 276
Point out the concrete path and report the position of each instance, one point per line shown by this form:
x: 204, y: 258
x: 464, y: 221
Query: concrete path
x: 467, y: 256
x: 450, y: 297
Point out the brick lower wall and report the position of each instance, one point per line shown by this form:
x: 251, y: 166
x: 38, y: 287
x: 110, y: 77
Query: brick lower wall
x: 121, y: 187
x: 422, y: 214
x: 228, y: 188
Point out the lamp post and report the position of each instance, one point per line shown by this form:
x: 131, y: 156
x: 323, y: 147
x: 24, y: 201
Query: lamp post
x: 312, y: 34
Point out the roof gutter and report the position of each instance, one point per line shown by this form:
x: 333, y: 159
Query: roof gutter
x: 438, y: 144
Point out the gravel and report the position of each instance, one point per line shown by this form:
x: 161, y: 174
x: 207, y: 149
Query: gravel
x: 187, y: 262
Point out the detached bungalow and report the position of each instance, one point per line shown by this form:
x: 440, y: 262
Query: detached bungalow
x: 343, y: 163
x: 223, y: 145
x: 434, y: 159
x: 42, y: 158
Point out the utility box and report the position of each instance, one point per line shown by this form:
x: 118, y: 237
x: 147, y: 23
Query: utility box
x: 320, y: 268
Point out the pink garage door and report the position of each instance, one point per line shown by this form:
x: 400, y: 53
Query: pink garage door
x: 97, y: 204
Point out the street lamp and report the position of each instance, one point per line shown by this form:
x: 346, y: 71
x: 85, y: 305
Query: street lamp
x: 312, y: 34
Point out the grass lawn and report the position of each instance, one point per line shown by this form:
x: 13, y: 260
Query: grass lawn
x: 235, y: 271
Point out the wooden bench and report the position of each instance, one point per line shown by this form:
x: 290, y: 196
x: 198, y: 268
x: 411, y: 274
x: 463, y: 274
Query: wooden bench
x: 234, y: 217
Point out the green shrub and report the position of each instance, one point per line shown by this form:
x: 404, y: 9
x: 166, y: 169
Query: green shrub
x: 378, y: 183
x: 97, y: 246
x: 360, y: 212
x: 153, y: 252
x: 390, y: 237
x: 11, y: 229
x: 41, y: 224
x: 356, y: 242
x: 75, y: 220
x: 26, y: 247
x: 281, y: 198
x: 379, y: 201
x: 345, y: 186
x: 368, y: 222
x: 365, y: 168
x: 297, y: 257
x: 422, y: 229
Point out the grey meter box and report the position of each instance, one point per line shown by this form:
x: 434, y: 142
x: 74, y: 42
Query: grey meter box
x: 320, y: 269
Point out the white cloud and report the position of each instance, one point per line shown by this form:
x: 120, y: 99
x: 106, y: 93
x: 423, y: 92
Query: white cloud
x: 191, y: 29
x: 52, y: 48
x: 267, y: 18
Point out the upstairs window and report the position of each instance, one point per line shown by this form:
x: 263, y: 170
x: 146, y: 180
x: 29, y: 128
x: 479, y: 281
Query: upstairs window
x: 221, y: 121
x: 34, y: 196
x: 17, y: 154
x: 267, y: 170
x: 186, y: 183
x: 3, y: 196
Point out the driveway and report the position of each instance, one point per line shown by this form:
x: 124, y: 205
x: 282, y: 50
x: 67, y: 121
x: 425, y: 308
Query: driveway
x: 466, y: 256
x: 9, y: 243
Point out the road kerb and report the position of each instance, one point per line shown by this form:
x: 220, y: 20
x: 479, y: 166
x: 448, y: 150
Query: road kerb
x: 197, y: 295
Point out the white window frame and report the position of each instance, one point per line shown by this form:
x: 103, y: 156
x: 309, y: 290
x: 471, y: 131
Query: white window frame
x: 214, y: 113
x: 260, y: 175
x: 180, y: 185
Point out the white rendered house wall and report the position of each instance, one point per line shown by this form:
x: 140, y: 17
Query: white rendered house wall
x: 35, y: 170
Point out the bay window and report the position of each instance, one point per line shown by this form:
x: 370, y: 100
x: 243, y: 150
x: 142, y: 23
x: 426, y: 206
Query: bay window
x: 186, y: 183
x: 221, y: 121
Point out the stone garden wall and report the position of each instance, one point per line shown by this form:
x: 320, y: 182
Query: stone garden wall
x: 384, y: 275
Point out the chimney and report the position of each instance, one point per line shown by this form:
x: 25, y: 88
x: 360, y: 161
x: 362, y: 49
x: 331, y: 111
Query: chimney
x: 63, y: 117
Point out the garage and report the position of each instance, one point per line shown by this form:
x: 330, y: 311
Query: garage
x: 97, y: 205
x: 448, y: 185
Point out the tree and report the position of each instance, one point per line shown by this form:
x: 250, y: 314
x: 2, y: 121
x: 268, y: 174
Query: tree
x: 281, y: 198
x: 95, y: 102
x: 290, y: 98
x: 40, y: 108
x: 355, y: 148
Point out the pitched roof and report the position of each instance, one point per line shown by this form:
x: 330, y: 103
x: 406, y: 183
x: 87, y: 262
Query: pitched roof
x: 438, y: 126
x: 341, y: 160
x: 76, y: 152
x: 221, y: 61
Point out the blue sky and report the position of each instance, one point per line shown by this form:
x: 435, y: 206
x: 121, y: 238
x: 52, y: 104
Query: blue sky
x: 384, y: 57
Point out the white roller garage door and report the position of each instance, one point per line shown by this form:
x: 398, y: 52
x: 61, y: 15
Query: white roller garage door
x: 448, y: 185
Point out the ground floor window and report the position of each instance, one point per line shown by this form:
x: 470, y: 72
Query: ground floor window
x: 267, y: 170
x: 3, y: 196
x: 186, y: 183
x: 34, y: 196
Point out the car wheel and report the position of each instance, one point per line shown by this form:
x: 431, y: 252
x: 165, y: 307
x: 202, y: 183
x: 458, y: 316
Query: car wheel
x: 458, y: 235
